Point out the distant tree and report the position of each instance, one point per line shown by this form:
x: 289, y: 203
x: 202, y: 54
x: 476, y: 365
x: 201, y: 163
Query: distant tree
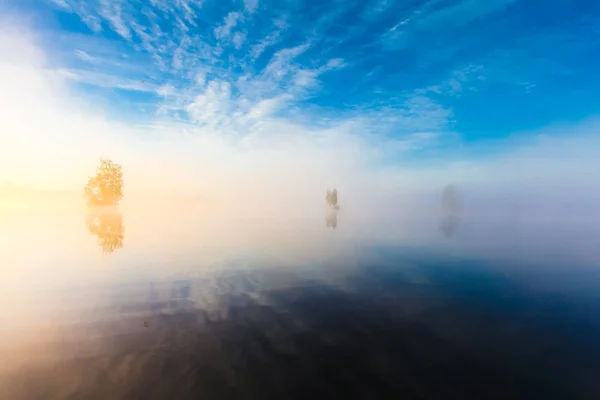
x: 331, y: 198
x: 106, y: 188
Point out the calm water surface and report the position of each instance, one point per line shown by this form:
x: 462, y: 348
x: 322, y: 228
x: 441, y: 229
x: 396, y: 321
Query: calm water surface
x: 142, y: 305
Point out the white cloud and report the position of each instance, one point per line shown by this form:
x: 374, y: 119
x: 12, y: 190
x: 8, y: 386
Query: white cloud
x: 164, y: 5
x: 166, y: 90
x: 270, y: 40
x: 267, y: 107
x: 429, y: 17
x: 200, y: 78
x: 306, y: 78
x: 105, y: 81
x: 92, y: 22
x: 250, y: 5
x: 229, y: 22
x: 284, y: 78
x: 19, y: 48
x: 182, y: 25
x: 188, y: 12
x: 335, y: 63
x: 281, y: 63
x: 85, y: 56
x: 423, y: 114
x: 61, y: 3
x: 114, y: 17
x: 146, y: 38
x: 461, y: 79
x: 177, y: 58
x: 238, y: 39
x: 213, y: 105
x: 292, y: 52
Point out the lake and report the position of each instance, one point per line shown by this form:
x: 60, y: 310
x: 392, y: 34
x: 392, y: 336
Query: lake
x: 142, y: 304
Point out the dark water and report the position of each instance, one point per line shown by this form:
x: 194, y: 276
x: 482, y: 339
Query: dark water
x: 430, y: 315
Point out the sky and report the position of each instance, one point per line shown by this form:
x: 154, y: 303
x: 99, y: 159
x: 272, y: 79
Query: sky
x: 284, y: 99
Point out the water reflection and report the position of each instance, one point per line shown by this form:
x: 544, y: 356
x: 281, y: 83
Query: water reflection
x: 382, y: 334
x: 180, y: 289
x: 331, y: 219
x: 450, y: 199
x: 450, y: 210
x: 448, y: 225
x: 107, y: 225
x: 227, y: 308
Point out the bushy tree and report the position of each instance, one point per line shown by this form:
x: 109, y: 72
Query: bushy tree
x: 331, y: 199
x: 106, y: 188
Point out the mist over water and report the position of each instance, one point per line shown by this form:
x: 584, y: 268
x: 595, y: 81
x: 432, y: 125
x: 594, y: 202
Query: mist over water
x: 148, y: 301
x: 459, y: 260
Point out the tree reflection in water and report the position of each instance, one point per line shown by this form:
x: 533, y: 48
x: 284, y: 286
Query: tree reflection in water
x: 107, y: 226
x: 450, y: 211
x: 331, y: 219
x: 448, y: 225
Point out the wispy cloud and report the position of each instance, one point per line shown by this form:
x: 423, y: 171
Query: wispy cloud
x: 238, y: 39
x: 270, y: 40
x: 430, y: 17
x: 377, y: 8
x: 85, y: 56
x: 213, y: 106
x: 99, y: 79
x: 423, y: 114
x: 196, y: 86
x: 230, y: 21
x: 250, y: 5
x: 188, y: 12
x: 200, y: 78
x: 282, y: 62
x: 268, y: 107
x: 92, y: 22
x: 61, y: 3
x: 461, y: 79
x: 112, y: 12
x: 166, y: 90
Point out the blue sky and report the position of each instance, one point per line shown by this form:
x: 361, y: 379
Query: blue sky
x: 426, y: 80
x: 478, y: 68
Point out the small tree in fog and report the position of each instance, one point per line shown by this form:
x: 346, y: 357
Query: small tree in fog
x: 106, y: 188
x: 331, y: 198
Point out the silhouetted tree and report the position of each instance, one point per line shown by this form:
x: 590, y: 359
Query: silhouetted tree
x: 106, y: 188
